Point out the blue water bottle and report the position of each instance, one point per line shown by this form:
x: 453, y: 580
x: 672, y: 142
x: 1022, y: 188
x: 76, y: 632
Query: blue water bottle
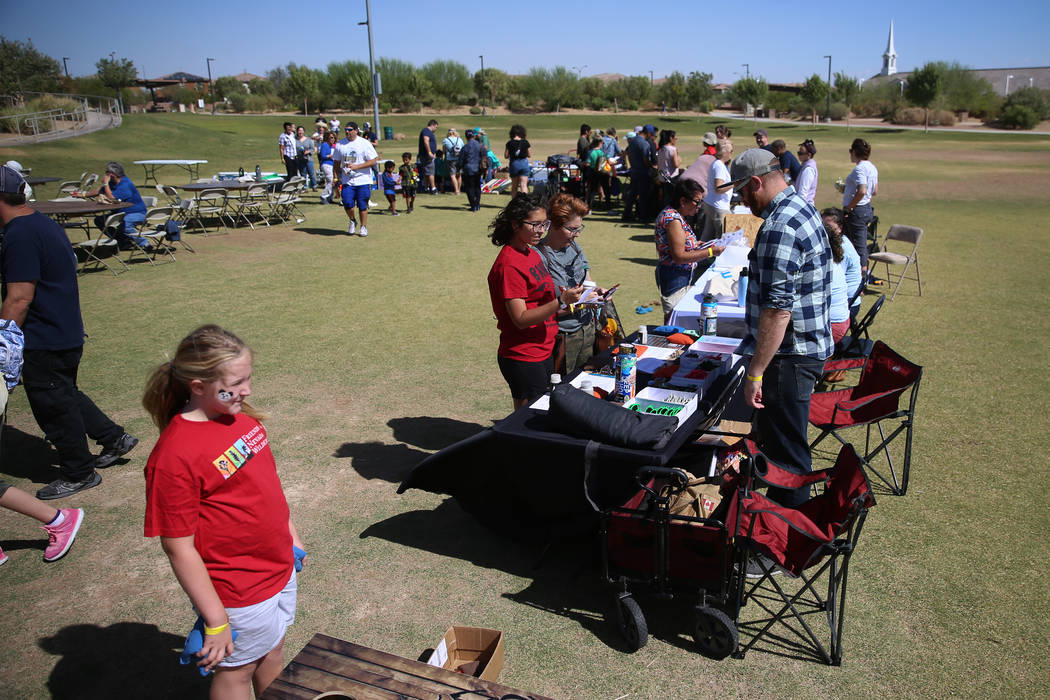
x: 741, y: 289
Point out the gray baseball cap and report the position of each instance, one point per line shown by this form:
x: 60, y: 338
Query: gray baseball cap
x: 710, y: 139
x: 751, y: 163
x: 11, y: 181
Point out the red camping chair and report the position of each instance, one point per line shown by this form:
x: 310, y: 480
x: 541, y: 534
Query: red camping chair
x: 811, y: 542
x: 875, y: 401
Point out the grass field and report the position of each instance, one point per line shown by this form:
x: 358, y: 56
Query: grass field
x: 372, y: 353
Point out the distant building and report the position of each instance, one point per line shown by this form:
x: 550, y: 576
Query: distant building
x: 1003, y: 80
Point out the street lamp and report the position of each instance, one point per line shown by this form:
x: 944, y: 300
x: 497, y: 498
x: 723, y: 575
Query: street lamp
x: 827, y: 113
x: 483, y: 86
x: 650, y: 79
x: 747, y: 69
x: 579, y: 71
x: 902, y: 87
x: 211, y: 92
x: 1008, y: 85
x: 376, y: 89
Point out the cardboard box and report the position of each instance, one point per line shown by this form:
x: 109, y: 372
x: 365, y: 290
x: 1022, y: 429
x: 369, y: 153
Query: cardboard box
x: 464, y: 645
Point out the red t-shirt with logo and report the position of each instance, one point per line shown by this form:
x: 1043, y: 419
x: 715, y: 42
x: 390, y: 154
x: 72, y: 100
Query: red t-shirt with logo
x: 518, y: 275
x: 217, y: 480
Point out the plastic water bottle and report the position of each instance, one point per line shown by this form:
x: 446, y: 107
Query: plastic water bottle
x: 555, y: 381
x: 709, y: 315
x: 258, y: 174
x: 741, y: 289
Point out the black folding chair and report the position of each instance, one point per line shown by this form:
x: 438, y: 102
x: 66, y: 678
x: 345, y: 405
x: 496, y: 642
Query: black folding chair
x: 858, y: 343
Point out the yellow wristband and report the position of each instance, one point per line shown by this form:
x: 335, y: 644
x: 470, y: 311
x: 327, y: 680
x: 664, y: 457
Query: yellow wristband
x: 711, y: 252
x: 210, y: 631
x: 754, y: 379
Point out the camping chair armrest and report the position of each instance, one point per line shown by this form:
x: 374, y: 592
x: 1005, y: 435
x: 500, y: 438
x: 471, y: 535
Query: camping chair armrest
x: 845, y: 363
x: 774, y: 475
x: 759, y: 506
x: 849, y: 406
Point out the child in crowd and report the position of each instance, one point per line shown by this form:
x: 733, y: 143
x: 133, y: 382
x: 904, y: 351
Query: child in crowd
x: 390, y: 185
x: 214, y: 498
x: 409, y: 180
x: 61, y: 525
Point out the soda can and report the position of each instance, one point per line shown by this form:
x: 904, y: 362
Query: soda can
x: 626, y: 372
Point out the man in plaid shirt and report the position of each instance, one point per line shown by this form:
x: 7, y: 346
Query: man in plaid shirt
x: 788, y: 298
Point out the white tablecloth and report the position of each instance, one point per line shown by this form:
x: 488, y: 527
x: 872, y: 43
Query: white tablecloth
x: 686, y: 313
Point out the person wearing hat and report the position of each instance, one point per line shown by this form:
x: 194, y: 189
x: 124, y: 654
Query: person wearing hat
x: 452, y: 144
x: 117, y: 185
x: 40, y: 294
x: 17, y: 167
x: 353, y: 159
x: 710, y: 142
x: 762, y: 140
x: 469, y: 162
x: 806, y: 182
x: 788, y: 334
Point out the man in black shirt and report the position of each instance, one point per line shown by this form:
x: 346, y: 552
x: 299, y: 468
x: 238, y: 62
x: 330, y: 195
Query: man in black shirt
x: 426, y: 155
x: 40, y: 294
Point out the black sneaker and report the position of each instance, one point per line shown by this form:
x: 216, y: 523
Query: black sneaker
x: 124, y: 444
x: 756, y: 570
x: 60, y: 488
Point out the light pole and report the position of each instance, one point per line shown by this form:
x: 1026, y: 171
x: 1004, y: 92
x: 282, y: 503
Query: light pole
x: 211, y: 91
x: 65, y: 64
x: 747, y: 69
x: 651, y: 83
x: 579, y: 72
x: 827, y: 113
x: 1008, y: 85
x: 483, y: 85
x: 376, y: 89
x: 902, y: 87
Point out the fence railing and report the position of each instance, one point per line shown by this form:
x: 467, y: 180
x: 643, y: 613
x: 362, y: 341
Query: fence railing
x: 62, y: 120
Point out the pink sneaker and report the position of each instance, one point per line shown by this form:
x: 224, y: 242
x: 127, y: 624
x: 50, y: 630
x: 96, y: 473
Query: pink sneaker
x: 61, y: 536
x: 3, y: 557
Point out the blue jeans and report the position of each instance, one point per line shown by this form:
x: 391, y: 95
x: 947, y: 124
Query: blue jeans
x: 856, y: 230
x: 306, y: 169
x: 781, y: 426
x: 670, y: 279
x: 132, y: 221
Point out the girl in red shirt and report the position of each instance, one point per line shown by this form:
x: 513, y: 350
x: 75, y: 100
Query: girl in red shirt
x: 214, y: 499
x: 524, y: 298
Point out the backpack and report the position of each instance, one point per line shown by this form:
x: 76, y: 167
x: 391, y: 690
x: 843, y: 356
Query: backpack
x: 457, y: 146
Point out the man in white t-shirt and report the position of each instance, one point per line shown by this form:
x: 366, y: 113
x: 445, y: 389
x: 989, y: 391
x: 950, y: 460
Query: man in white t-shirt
x: 353, y: 159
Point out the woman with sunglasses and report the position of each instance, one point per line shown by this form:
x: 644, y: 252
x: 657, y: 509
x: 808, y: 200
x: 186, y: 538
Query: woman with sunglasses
x: 806, y: 183
x: 676, y: 245
x: 525, y: 299
x: 568, y: 267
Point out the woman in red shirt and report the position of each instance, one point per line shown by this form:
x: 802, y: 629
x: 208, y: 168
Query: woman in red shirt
x: 524, y: 298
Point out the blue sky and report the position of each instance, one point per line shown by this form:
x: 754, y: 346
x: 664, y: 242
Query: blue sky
x: 782, y: 41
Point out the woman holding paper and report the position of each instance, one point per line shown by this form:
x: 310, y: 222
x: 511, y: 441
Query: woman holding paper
x: 568, y: 267
x: 525, y: 299
x: 676, y: 245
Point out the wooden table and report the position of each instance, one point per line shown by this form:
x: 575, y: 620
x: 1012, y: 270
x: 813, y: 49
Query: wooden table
x: 330, y: 664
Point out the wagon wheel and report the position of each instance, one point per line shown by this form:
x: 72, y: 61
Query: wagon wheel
x: 632, y: 623
x: 714, y: 632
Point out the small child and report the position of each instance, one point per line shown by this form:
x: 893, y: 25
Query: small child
x: 214, y: 498
x: 409, y: 180
x: 390, y: 185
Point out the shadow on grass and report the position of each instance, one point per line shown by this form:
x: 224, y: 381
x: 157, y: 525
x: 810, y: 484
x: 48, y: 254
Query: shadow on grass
x: 648, y: 262
x: 641, y: 238
x: 36, y: 458
x: 123, y: 660
x: 376, y: 460
x: 323, y: 231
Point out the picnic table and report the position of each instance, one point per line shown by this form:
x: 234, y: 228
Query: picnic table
x: 71, y: 208
x: 330, y: 665
x: 152, y: 166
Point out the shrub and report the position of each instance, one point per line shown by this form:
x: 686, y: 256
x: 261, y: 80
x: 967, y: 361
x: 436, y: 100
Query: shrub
x: 942, y: 117
x: 910, y: 116
x: 704, y: 107
x: 239, y: 101
x: 838, y: 111
x: 1033, y: 98
x: 1019, y: 117
x: 41, y: 104
x: 475, y: 110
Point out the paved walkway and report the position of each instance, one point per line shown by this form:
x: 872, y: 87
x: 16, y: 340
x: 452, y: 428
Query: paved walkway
x: 96, y: 121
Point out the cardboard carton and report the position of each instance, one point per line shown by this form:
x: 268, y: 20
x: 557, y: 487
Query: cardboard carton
x: 463, y: 646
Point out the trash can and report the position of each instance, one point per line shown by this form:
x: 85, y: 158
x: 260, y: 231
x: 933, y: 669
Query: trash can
x: 388, y: 133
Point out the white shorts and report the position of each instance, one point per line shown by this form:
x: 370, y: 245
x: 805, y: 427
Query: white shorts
x: 261, y: 627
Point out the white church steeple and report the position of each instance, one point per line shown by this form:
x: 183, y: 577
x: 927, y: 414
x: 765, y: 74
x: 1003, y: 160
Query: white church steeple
x: 889, y: 59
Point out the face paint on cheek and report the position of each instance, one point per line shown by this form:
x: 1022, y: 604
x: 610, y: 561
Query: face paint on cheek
x: 225, y: 396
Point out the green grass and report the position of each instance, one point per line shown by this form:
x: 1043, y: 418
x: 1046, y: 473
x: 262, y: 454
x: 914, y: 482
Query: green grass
x: 372, y: 353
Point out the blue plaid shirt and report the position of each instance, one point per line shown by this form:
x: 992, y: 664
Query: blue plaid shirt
x: 791, y: 270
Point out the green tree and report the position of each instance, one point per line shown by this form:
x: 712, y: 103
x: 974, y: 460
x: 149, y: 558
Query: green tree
x: 1031, y: 97
x: 300, y: 86
x: 22, y: 67
x: 276, y: 77
x: 448, y: 79
x: 351, y: 83
x: 698, y: 88
x: 260, y: 86
x: 631, y: 92
x: 228, y: 85
x: 924, y: 87
x: 116, y: 73
x: 749, y: 91
x: 814, y: 93
x: 673, y: 90
x: 847, y: 90
x: 397, y: 77
x: 496, y: 85
x: 965, y: 91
